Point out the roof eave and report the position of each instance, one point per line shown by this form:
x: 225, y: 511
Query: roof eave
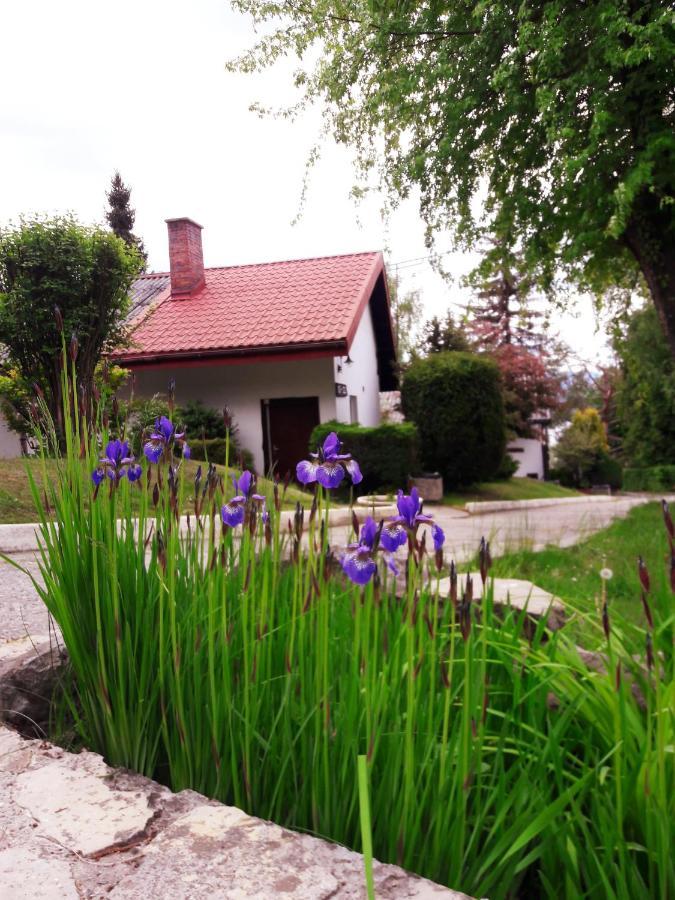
x: 244, y: 354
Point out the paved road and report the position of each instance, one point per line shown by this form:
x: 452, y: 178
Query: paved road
x: 22, y: 612
x: 534, y: 527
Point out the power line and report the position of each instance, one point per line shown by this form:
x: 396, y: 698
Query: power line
x: 419, y: 260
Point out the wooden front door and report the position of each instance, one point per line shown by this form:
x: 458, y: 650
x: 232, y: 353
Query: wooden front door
x: 287, y: 426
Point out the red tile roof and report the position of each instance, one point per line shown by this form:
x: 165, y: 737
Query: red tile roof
x: 304, y: 305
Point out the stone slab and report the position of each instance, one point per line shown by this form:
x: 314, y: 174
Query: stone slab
x: 30, y: 668
x: 26, y: 876
x: 516, y: 593
x: 70, y: 826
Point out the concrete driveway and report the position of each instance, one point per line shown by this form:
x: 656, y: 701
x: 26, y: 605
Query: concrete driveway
x: 564, y: 524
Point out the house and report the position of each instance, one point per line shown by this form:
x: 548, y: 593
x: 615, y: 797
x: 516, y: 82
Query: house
x: 285, y: 345
x: 532, y: 454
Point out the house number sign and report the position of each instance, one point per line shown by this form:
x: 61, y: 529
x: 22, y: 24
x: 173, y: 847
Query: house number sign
x: 340, y: 389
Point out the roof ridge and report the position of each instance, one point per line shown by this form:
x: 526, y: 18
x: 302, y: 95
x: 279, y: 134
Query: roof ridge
x: 273, y: 262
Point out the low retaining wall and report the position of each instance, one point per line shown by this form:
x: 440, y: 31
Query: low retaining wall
x: 486, y: 506
x: 71, y: 827
x: 23, y: 538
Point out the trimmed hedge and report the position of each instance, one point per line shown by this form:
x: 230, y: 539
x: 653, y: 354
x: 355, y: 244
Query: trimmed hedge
x: 649, y: 478
x: 215, y: 449
x: 455, y: 399
x: 386, y: 454
x: 607, y: 471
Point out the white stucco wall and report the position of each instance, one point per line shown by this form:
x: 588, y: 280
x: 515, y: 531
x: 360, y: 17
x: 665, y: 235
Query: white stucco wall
x: 529, y: 455
x: 242, y: 386
x: 360, y: 376
x: 9, y: 441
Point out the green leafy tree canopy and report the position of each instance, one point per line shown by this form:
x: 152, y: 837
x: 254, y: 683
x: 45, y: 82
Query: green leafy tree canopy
x: 561, y: 114
x: 87, y: 273
x: 406, y: 314
x: 646, y: 392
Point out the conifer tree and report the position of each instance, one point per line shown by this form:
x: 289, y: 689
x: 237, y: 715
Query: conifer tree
x: 501, y: 314
x: 120, y: 216
x: 441, y: 336
x: 503, y: 324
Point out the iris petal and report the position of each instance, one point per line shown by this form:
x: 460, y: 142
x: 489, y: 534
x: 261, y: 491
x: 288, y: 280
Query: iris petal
x: 244, y: 483
x: 393, y: 536
x: 153, y: 450
x: 165, y: 427
x: 113, y: 451
x: 232, y: 513
x: 134, y: 472
x: 358, y: 566
x: 331, y: 446
x: 354, y: 471
x: 438, y: 536
x: 305, y: 471
x: 330, y: 474
x: 368, y: 532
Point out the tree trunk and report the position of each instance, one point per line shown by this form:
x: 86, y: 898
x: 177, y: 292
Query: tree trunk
x: 650, y: 238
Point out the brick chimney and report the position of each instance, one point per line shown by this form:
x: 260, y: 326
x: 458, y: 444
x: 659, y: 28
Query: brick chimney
x: 185, y: 257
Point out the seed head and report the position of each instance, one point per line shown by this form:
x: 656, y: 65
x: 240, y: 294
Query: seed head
x: 73, y: 347
x: 670, y: 528
x: 605, y: 620
x: 650, y: 651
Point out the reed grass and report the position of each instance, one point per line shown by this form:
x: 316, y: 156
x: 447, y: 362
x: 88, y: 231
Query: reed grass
x: 244, y: 666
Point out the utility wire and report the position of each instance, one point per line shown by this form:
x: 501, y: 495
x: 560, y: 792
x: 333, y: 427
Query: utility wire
x: 419, y: 260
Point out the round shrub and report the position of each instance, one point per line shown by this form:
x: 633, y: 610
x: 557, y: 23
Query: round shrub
x: 455, y: 399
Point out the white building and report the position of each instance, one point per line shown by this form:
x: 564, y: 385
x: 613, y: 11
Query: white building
x: 283, y: 345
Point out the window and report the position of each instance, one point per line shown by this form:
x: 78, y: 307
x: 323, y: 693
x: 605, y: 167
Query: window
x: 353, y: 409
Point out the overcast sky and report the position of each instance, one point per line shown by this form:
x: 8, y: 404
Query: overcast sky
x: 140, y: 86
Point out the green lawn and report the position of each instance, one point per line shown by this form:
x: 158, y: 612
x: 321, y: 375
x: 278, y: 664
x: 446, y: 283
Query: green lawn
x: 573, y: 574
x: 513, y: 489
x: 16, y: 503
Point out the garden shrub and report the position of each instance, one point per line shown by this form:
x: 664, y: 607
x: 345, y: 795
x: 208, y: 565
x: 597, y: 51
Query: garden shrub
x: 216, y: 451
x: 140, y: 416
x: 387, y: 453
x: 455, y: 400
x: 202, y: 421
x: 582, y: 453
x: 649, y: 478
x: 507, y: 468
x: 607, y: 471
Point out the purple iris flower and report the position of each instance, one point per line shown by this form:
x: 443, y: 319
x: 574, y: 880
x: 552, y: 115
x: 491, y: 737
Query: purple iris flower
x: 358, y: 561
x: 410, y: 510
x: 328, y: 466
x: 233, y: 512
x: 410, y: 516
x: 164, y: 436
x: 116, y: 464
x: 244, y: 484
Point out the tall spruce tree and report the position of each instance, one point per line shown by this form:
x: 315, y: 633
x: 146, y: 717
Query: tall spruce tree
x: 501, y: 313
x: 120, y: 216
x: 504, y: 325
